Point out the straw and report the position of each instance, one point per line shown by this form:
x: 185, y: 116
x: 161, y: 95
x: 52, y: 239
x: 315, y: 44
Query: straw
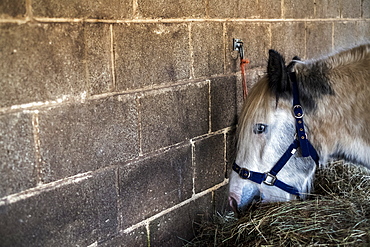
x: 337, y: 214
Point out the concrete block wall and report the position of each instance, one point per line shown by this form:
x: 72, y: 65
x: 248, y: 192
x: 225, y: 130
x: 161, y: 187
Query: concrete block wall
x: 117, y: 118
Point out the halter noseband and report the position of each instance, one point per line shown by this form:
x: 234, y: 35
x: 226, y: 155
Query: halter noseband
x: 301, y: 141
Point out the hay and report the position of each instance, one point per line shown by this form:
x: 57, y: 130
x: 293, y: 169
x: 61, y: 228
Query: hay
x: 338, y: 214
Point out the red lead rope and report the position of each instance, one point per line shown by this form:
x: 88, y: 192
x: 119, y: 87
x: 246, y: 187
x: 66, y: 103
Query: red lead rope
x: 243, y: 64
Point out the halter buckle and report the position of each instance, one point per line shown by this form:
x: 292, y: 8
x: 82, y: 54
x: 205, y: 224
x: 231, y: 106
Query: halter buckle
x: 244, y: 173
x: 269, y: 179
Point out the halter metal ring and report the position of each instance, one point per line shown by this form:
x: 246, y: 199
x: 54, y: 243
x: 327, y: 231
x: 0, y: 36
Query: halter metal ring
x: 269, y: 179
x: 244, y: 173
x: 300, y: 114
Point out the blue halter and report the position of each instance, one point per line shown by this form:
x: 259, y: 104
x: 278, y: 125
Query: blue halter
x: 300, y: 141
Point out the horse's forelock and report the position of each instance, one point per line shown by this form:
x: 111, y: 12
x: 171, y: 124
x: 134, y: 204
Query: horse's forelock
x: 256, y: 110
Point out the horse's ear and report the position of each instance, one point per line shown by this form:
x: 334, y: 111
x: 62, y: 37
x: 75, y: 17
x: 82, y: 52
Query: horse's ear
x: 277, y: 74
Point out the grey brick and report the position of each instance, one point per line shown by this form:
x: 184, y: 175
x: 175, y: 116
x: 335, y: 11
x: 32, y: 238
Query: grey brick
x: 364, y: 32
x: 12, y: 8
x: 327, y: 9
x: 319, y: 39
x: 229, y: 9
x: 288, y: 38
x: 17, y: 153
x: 174, y: 228
x: 174, y: 115
x: 135, y: 238
x: 209, y: 162
x: 223, y: 102
x: 351, y: 9
x: 221, y: 201
x: 298, y: 9
x: 207, y: 40
x: 74, y: 214
x: 104, y: 9
x: 149, y: 54
x: 99, y: 62
x: 256, y: 37
x: 268, y: 9
x: 154, y: 184
x: 171, y: 9
x: 244, y: 9
x: 44, y: 62
x: 346, y: 34
x: 231, y: 141
x: 365, y: 9
x: 83, y: 137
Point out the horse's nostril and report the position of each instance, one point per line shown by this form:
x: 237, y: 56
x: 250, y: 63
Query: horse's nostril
x: 233, y: 204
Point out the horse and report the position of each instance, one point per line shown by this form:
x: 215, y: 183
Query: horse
x: 297, y: 117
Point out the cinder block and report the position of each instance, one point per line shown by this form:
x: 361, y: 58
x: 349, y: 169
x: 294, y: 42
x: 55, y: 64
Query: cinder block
x: 104, y: 9
x: 221, y: 200
x: 229, y: 9
x: 99, y: 61
x: 150, y: 54
x: 208, y: 48
x: 256, y: 37
x: 267, y: 9
x: 84, y: 137
x: 365, y: 9
x: 298, y: 9
x: 350, y: 33
x: 223, y: 102
x: 231, y: 142
x: 170, y: 9
x: 327, y: 9
x: 288, y: 38
x: 351, y: 9
x: 11, y: 8
x: 74, y: 214
x: 135, y: 238
x: 174, y: 115
x: 209, y: 162
x: 346, y: 34
x: 174, y: 228
x: 149, y: 186
x: 260, y: 9
x: 17, y: 153
x: 43, y: 62
x: 318, y: 39
x: 364, y: 30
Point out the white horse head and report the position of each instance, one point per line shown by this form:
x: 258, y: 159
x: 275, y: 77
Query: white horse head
x: 329, y: 89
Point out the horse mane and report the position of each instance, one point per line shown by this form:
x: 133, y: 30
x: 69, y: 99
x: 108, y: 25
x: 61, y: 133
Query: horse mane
x: 345, y: 77
x: 349, y: 56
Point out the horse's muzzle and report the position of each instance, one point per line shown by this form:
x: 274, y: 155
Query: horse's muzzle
x: 240, y: 204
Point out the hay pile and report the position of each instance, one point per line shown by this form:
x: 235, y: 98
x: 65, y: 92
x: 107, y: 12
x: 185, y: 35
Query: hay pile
x: 338, y: 214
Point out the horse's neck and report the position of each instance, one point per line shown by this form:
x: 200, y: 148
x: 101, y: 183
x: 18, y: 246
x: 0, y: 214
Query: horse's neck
x: 340, y: 123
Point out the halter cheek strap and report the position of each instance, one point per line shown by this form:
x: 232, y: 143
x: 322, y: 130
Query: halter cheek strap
x: 306, y: 147
x: 269, y: 178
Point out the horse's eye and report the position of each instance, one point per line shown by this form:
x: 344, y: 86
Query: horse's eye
x: 259, y: 128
